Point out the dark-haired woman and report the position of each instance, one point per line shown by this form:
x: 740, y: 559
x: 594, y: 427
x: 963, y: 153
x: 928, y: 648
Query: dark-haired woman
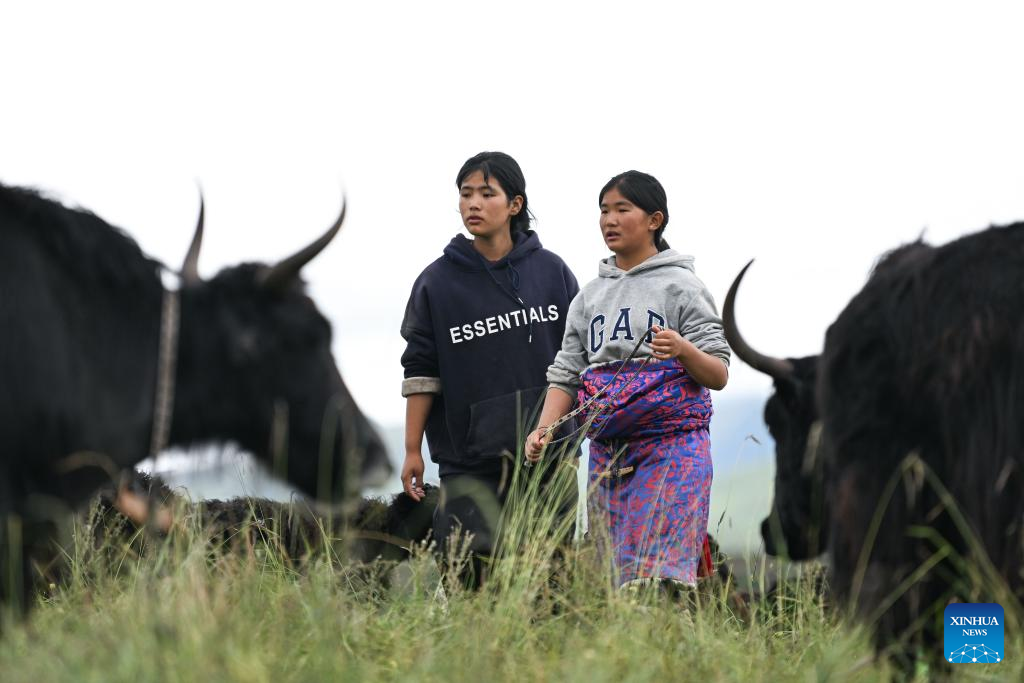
x: 650, y: 458
x: 482, y: 324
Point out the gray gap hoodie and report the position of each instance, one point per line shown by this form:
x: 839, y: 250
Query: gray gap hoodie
x: 611, y: 312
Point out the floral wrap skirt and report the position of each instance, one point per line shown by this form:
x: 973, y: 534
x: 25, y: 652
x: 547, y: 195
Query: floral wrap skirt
x: 650, y: 468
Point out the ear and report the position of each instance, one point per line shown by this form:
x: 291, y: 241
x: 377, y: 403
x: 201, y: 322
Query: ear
x: 516, y: 205
x: 657, y: 218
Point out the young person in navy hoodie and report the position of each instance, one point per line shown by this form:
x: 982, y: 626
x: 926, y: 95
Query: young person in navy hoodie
x: 483, y: 323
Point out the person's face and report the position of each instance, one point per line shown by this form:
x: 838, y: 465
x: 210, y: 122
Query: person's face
x: 626, y: 227
x: 485, y: 208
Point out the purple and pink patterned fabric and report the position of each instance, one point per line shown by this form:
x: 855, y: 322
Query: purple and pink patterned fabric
x: 650, y: 468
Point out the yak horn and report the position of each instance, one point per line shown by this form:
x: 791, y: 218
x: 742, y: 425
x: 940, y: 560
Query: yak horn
x: 776, y: 368
x: 287, y: 270
x: 190, y: 269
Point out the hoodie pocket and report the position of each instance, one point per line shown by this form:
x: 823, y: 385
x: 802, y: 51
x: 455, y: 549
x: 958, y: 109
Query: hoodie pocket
x: 501, y: 423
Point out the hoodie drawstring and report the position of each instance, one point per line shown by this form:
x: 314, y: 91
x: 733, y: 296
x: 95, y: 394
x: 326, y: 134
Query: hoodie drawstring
x: 513, y: 279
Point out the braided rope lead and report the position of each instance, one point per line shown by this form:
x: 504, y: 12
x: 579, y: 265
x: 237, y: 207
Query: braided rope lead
x: 586, y: 404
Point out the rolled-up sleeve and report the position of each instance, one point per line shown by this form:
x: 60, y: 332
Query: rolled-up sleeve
x: 422, y: 374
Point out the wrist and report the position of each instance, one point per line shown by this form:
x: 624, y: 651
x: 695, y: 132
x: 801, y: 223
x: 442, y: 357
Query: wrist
x: 687, y: 350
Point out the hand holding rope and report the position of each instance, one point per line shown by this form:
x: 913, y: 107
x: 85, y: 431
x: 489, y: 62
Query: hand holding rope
x: 546, y: 439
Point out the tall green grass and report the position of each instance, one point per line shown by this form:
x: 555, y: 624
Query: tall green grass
x: 185, y: 609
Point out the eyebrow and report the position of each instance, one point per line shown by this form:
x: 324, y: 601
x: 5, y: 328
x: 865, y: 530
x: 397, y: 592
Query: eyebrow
x: 621, y: 202
x: 485, y: 186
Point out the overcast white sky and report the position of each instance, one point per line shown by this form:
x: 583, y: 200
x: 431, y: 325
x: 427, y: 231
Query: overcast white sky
x: 809, y: 136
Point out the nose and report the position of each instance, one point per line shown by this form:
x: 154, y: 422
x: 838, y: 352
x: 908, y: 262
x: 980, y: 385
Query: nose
x: 768, y: 536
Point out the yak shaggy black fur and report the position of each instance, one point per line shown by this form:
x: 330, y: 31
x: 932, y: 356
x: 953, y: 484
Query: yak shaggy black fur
x: 790, y: 413
x: 385, y: 529
x: 80, y: 314
x: 914, y: 485
x: 927, y: 361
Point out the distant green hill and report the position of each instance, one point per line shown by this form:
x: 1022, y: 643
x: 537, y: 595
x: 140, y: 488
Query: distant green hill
x: 739, y: 501
x: 744, y: 460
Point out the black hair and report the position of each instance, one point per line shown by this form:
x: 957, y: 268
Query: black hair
x: 643, y: 190
x: 506, y: 171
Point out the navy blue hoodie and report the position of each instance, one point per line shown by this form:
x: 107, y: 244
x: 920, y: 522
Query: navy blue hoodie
x: 481, y: 336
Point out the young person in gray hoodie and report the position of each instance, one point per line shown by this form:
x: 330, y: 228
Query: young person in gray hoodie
x: 643, y: 344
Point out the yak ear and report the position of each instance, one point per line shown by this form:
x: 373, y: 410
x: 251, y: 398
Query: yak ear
x: 796, y: 394
x: 190, y: 268
x: 284, y: 272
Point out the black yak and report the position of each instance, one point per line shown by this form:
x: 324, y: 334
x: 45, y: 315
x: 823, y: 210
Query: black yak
x: 900, y: 448
x: 376, y: 528
x: 85, y: 324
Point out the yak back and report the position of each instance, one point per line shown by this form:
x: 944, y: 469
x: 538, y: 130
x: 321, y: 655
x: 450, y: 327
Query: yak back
x: 927, y: 360
x: 80, y: 317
